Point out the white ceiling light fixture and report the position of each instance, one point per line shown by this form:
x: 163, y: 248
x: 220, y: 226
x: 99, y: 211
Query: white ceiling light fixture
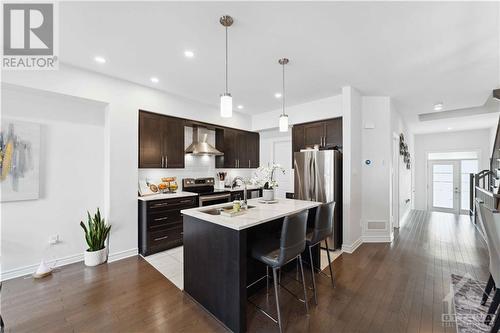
x: 438, y: 106
x: 283, y: 117
x: 188, y: 54
x: 226, y: 100
x: 155, y: 79
x: 277, y: 95
x: 240, y: 107
x: 100, y: 60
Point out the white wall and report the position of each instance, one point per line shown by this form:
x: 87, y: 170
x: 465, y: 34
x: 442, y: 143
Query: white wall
x: 476, y: 140
x: 376, y: 183
x: 123, y: 100
x: 325, y: 108
x: 405, y: 188
x: 351, y: 164
x: 71, y: 179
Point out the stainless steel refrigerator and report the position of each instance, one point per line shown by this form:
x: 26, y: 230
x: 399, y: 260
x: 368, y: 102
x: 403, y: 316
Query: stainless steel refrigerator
x: 318, y: 177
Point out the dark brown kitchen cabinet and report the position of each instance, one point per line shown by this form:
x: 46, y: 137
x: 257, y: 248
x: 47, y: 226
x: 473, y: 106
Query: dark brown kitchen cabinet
x: 240, y: 148
x: 161, y: 141
x: 324, y: 134
x: 313, y: 134
x: 333, y: 132
x: 160, y: 223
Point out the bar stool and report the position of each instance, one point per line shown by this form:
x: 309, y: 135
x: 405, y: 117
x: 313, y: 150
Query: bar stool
x: 323, y: 228
x: 490, y: 284
x: 491, y: 223
x: 275, y: 253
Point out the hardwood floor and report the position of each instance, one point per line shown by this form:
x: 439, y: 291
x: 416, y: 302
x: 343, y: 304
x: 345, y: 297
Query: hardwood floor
x: 396, y: 287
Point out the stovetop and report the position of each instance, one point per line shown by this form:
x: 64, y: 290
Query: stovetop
x: 201, y: 186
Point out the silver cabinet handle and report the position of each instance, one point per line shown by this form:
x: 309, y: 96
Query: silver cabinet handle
x: 160, y: 205
x: 186, y: 201
x: 249, y: 163
x: 162, y: 161
x: 166, y: 161
x: 160, y: 238
x: 235, y: 163
x: 162, y: 218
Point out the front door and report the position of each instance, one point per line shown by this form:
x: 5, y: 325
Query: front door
x: 444, y: 186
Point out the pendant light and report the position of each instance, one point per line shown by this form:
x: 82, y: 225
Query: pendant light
x: 226, y: 101
x: 284, y: 117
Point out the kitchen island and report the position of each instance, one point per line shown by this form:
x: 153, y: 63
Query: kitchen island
x: 217, y: 262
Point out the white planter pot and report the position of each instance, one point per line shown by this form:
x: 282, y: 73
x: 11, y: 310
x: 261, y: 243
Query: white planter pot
x: 94, y: 258
x: 268, y: 195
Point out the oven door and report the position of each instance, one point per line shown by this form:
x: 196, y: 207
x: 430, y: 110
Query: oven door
x: 214, y: 199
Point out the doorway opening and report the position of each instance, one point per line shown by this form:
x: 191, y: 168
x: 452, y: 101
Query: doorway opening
x: 448, y: 181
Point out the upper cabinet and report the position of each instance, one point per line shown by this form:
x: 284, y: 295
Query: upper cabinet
x: 324, y: 134
x: 240, y: 148
x: 161, y: 141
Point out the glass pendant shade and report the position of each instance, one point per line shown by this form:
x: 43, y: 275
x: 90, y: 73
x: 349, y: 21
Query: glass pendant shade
x: 226, y: 105
x: 284, y: 123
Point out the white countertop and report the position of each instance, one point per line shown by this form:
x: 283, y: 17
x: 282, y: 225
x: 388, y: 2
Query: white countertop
x: 178, y: 194
x: 260, y: 214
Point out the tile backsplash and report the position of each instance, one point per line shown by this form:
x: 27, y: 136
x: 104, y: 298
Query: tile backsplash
x: 194, y: 166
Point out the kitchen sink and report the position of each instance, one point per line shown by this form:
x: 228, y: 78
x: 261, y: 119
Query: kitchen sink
x: 216, y: 211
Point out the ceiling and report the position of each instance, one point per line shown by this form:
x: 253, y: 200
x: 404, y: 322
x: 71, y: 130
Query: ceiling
x: 417, y: 53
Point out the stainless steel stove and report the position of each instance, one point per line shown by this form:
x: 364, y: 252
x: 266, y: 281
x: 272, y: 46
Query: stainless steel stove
x: 208, y: 195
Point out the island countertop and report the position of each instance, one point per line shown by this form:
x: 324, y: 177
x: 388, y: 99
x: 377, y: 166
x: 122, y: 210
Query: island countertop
x: 261, y: 213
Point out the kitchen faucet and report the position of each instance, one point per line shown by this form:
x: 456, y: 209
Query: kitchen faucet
x: 241, y: 179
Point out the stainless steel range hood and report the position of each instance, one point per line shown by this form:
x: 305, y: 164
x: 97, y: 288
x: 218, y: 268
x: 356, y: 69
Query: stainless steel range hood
x: 200, y: 146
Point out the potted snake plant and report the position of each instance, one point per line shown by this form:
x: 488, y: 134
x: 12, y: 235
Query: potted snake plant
x: 96, y: 233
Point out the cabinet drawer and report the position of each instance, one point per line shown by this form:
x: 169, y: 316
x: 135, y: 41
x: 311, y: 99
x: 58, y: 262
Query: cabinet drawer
x: 165, y: 236
x: 178, y: 203
x: 163, y: 219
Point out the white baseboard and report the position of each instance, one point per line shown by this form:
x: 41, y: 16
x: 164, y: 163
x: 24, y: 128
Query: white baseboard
x: 30, y: 269
x: 377, y: 239
x: 350, y: 248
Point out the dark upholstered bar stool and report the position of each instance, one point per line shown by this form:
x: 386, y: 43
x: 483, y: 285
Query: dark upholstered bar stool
x: 276, y: 253
x: 323, y: 228
x: 491, y: 223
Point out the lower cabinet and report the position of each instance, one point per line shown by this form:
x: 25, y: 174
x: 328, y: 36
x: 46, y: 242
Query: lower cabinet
x: 160, y: 223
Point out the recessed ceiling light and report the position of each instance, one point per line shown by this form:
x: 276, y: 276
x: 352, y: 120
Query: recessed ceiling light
x: 155, y: 79
x: 188, y: 54
x: 240, y: 107
x: 277, y: 95
x: 449, y: 128
x: 438, y: 106
x: 100, y: 60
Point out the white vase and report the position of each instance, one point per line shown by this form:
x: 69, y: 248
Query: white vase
x: 94, y: 258
x: 268, y: 195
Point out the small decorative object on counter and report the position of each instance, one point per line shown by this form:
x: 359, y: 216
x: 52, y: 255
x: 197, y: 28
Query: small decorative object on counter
x: 266, y: 177
x: 236, y: 205
x: 96, y: 234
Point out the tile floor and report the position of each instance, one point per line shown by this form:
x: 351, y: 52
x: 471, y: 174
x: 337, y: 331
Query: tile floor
x: 169, y: 263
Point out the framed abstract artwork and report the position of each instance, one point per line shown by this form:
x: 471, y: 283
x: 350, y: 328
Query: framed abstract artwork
x: 19, y: 160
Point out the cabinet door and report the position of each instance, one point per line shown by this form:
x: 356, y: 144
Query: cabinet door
x: 173, y: 142
x: 243, y: 156
x: 254, y: 150
x: 313, y: 134
x: 333, y: 133
x: 230, y: 148
x: 297, y: 139
x: 150, y: 140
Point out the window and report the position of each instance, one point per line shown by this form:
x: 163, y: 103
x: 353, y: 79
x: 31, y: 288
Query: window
x: 466, y: 167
